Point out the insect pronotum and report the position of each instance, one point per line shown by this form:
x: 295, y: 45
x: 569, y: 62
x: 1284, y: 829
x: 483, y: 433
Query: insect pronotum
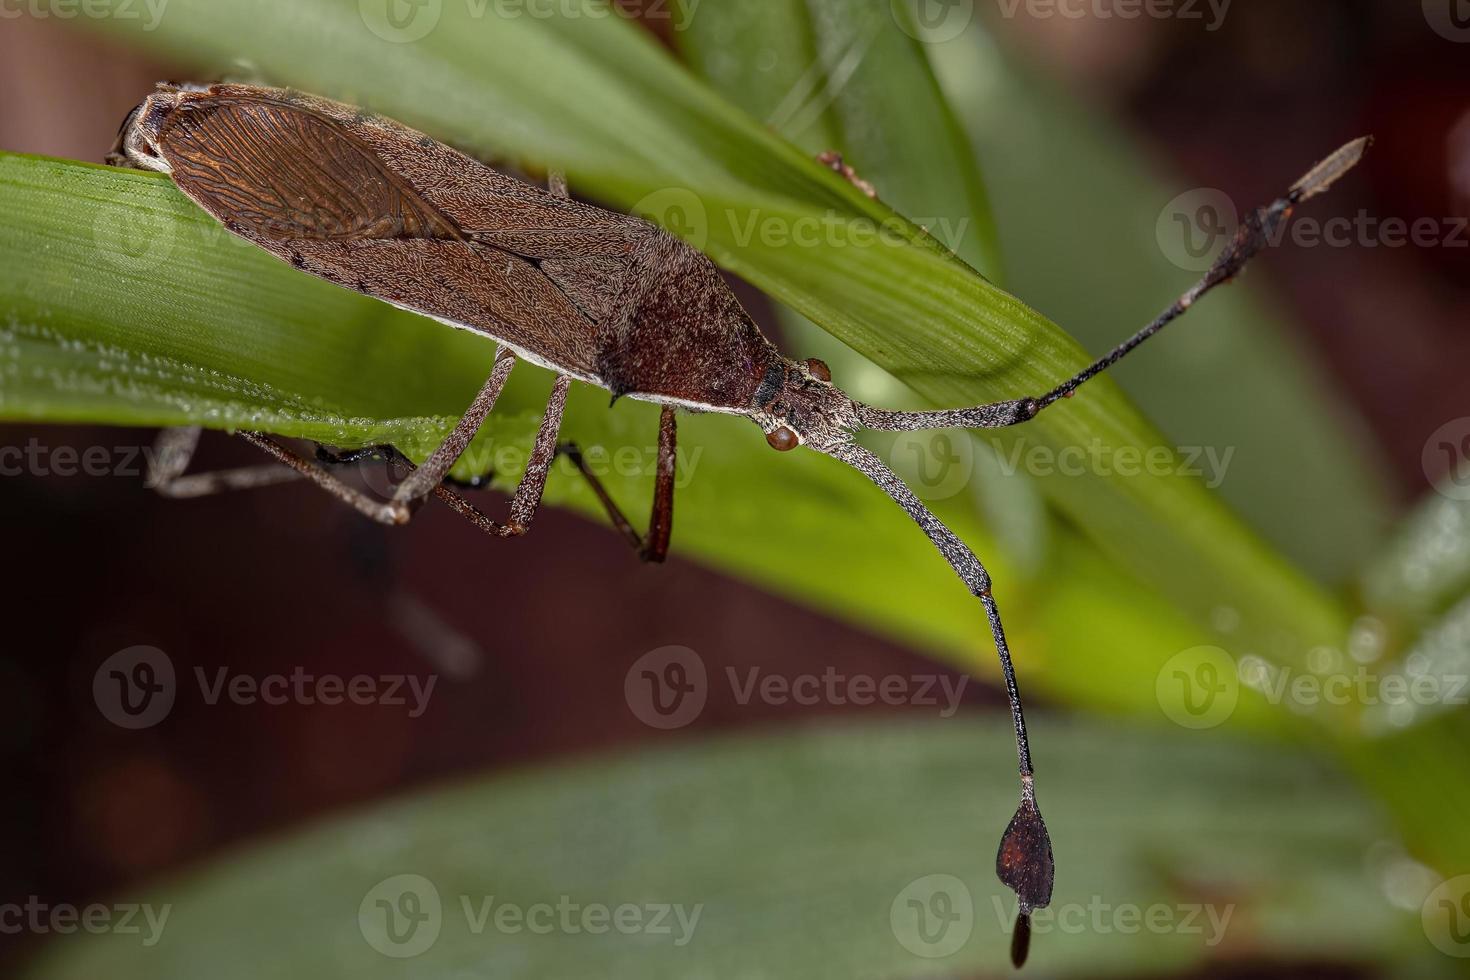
x: 595, y: 296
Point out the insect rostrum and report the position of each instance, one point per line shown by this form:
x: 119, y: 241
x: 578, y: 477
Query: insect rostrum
x: 595, y: 296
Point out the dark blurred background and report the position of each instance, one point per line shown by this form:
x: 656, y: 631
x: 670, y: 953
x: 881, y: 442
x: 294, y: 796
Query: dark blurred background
x: 531, y: 638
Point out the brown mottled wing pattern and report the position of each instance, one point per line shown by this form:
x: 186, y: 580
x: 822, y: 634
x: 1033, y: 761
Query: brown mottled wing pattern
x: 288, y: 174
x: 315, y: 190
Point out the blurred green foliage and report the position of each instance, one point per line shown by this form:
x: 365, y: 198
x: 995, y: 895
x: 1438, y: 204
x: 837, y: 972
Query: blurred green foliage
x: 798, y: 854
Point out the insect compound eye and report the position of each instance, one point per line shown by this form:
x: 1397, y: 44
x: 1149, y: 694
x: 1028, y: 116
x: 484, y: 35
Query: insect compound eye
x: 782, y: 439
x: 819, y: 369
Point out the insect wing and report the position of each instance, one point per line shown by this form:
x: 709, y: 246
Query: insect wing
x: 324, y: 194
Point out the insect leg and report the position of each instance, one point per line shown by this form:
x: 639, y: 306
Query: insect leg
x: 408, y: 496
x: 421, y: 482
x: 383, y: 513
x: 661, y: 520
x: 175, y: 447
x: 172, y: 451
x: 347, y: 457
x: 615, y: 513
x: 527, y: 498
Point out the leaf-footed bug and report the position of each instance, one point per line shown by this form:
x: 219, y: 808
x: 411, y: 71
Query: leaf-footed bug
x: 595, y: 296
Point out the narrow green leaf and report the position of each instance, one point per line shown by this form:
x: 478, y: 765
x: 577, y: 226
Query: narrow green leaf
x: 1091, y: 228
x: 834, y: 75
x: 121, y: 302
x: 1426, y: 565
x: 839, y: 75
x: 805, y: 854
x: 626, y: 122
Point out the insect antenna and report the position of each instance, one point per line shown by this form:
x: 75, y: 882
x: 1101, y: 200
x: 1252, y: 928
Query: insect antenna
x: 1024, y: 860
x: 1260, y: 229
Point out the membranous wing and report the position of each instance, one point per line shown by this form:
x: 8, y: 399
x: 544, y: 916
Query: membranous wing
x: 284, y: 174
x: 375, y: 207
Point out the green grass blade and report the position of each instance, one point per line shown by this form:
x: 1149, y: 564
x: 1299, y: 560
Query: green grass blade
x: 122, y: 303
x: 1426, y: 566
x: 626, y: 121
x: 800, y: 852
x: 834, y: 75
x: 1091, y: 240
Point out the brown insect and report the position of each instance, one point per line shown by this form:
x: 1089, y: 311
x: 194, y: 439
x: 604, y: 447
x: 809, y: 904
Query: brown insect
x: 595, y: 296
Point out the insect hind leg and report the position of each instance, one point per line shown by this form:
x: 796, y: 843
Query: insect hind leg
x: 661, y: 519
x: 174, y: 449
x: 168, y: 466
